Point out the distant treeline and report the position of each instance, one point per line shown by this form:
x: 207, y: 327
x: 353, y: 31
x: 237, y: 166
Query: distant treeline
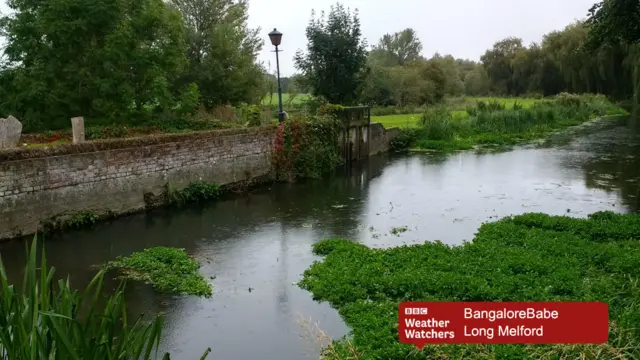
x: 130, y: 62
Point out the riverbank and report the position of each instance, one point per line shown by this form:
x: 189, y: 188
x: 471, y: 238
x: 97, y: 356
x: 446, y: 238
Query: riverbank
x: 530, y: 257
x: 492, y: 124
x: 75, y: 185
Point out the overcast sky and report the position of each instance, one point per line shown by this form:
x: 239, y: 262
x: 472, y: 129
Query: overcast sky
x: 462, y: 28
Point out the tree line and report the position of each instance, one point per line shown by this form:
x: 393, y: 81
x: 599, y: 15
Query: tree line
x: 597, y: 55
x: 125, y: 61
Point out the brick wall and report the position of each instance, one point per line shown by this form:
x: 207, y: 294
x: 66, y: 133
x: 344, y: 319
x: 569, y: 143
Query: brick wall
x: 114, y: 176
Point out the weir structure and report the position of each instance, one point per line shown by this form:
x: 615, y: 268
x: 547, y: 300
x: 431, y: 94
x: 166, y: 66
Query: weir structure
x: 355, y: 137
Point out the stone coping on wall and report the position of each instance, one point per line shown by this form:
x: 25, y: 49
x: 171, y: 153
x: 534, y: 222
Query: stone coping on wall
x: 112, y: 144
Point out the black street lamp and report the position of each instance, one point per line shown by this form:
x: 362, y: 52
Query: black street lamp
x: 276, y: 39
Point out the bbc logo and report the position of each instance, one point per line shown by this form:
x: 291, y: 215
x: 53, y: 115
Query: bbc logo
x: 416, y: 311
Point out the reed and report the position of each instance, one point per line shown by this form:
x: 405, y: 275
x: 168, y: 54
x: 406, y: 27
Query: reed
x: 48, y: 319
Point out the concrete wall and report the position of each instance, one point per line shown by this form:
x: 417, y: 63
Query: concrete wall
x: 117, y: 176
x: 380, y: 138
x: 121, y: 176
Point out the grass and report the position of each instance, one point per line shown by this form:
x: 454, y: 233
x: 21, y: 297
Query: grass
x: 169, y: 270
x: 406, y: 121
x: 286, y: 99
x: 49, y: 319
x: 412, y: 120
x: 531, y: 257
x: 493, y: 124
x: 507, y: 102
x: 401, y: 121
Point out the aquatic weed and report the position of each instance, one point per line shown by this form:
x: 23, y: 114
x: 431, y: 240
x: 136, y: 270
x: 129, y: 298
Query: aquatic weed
x: 195, y: 192
x: 531, y: 257
x: 169, y: 270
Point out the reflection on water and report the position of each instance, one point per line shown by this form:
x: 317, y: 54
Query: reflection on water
x: 262, y: 241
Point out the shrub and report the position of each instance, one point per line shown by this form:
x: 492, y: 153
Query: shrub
x: 307, y: 147
x: 189, y: 100
x: 405, y: 138
x: 193, y: 193
x: 437, y: 123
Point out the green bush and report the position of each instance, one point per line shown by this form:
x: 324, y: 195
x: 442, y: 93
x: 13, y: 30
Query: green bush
x: 437, y: 123
x: 308, y: 147
x: 530, y: 257
x: 195, y: 192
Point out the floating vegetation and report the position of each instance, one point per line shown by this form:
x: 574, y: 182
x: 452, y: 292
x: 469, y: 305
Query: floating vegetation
x: 169, y: 270
x: 399, y: 230
x: 531, y: 257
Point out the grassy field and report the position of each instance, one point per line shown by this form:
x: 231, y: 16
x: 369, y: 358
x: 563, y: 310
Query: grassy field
x: 531, y: 257
x: 446, y: 128
x: 412, y: 120
x: 286, y: 99
x: 507, y: 102
x: 401, y: 121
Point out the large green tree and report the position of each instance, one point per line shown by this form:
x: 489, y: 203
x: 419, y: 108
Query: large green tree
x: 222, y: 51
x: 498, y: 61
x: 398, y: 49
x: 334, y: 66
x: 107, y: 60
x: 616, y: 22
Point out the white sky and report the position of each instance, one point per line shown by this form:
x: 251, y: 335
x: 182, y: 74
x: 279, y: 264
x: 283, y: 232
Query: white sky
x: 462, y: 28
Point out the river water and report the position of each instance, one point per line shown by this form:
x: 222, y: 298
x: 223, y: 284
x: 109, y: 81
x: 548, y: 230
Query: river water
x: 256, y: 246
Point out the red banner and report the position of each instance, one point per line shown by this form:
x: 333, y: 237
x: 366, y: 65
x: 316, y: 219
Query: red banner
x: 423, y: 323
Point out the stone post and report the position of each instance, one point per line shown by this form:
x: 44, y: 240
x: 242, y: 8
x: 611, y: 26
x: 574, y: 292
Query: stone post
x: 10, y: 132
x: 77, y: 124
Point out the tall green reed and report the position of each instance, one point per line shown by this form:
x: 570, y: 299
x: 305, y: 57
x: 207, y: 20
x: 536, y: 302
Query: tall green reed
x: 48, y: 319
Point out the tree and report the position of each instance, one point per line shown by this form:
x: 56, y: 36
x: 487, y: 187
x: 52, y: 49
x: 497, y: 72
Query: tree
x: 614, y: 22
x: 222, y: 51
x: 107, y: 59
x: 618, y: 22
x: 334, y: 66
x: 498, y: 63
x: 476, y: 82
x: 399, y: 48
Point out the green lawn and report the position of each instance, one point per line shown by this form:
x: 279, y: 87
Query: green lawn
x: 402, y: 121
x: 412, y: 120
x: 508, y: 102
x: 409, y: 120
x: 286, y: 99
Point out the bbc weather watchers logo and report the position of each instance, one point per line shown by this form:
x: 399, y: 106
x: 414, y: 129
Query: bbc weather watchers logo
x: 416, y: 311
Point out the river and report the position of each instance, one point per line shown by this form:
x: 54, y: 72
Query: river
x: 256, y: 246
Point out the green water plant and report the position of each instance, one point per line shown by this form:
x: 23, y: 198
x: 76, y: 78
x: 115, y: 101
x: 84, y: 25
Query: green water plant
x: 491, y: 124
x: 48, y: 319
x: 194, y: 192
x: 169, y: 270
x: 531, y: 257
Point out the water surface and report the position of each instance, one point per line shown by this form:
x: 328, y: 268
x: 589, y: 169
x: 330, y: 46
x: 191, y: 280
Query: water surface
x: 254, y: 247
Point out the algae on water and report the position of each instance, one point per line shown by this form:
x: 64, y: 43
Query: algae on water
x: 169, y: 270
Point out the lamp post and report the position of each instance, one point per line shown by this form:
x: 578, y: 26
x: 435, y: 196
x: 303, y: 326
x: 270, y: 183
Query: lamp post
x: 276, y: 39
